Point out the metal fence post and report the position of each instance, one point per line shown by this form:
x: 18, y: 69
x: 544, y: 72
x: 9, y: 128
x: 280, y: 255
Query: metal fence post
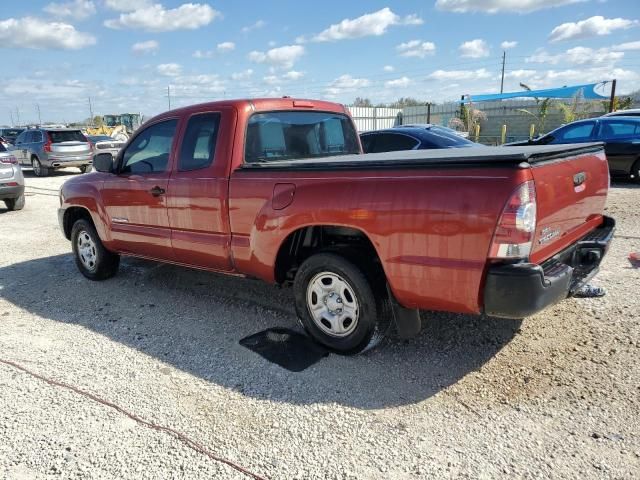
x: 503, y: 135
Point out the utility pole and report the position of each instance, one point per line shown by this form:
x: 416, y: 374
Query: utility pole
x: 13, y: 124
x: 169, y: 95
x: 90, y: 113
x: 612, y: 102
x: 39, y: 117
x: 18, y: 115
x: 504, y: 56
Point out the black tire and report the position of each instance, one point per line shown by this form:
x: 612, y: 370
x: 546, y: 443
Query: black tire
x: 635, y: 171
x: 38, y: 169
x: 373, y: 322
x: 15, y: 203
x: 105, y: 263
x: 85, y: 168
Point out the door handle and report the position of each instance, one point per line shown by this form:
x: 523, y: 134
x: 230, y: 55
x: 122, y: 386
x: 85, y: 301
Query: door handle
x: 157, y: 191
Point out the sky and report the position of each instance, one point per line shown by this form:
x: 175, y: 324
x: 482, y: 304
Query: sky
x: 125, y: 54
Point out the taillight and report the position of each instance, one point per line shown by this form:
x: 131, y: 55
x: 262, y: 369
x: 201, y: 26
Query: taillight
x: 47, y: 145
x: 513, y: 237
x: 9, y: 159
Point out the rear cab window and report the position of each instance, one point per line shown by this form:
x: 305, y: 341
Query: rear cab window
x: 285, y: 135
x: 60, y: 136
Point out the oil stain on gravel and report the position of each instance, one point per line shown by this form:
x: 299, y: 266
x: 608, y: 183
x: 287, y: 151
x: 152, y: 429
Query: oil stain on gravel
x: 287, y: 348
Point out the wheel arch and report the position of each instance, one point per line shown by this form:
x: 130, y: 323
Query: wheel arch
x: 71, y: 216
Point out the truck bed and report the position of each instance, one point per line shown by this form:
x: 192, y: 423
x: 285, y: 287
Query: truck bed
x: 472, y: 156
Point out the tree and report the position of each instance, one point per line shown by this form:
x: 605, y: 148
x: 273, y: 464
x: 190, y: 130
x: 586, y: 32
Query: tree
x: 469, y: 118
x: 362, y: 102
x: 543, y: 109
x: 406, y: 102
x: 619, y: 103
x: 97, y: 121
x: 576, y: 110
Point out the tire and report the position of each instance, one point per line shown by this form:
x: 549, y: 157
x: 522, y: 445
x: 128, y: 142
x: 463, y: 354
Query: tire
x: 635, y: 171
x: 15, y: 203
x: 38, y: 169
x: 333, y: 284
x: 93, y: 260
x: 85, y: 168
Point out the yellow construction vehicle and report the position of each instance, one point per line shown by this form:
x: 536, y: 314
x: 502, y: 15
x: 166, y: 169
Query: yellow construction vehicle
x: 119, y: 127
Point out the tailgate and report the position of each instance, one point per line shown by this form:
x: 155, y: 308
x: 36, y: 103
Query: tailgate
x: 70, y: 148
x: 571, y: 193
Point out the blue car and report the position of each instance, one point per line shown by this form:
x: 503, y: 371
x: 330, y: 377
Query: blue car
x: 412, y: 137
x: 621, y: 136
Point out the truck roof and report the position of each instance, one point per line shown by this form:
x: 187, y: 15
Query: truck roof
x: 259, y: 105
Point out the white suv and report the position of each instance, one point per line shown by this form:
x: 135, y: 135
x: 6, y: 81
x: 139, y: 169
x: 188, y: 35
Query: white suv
x: 11, y: 181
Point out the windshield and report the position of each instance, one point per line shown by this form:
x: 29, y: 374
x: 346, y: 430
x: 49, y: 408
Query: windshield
x: 284, y: 135
x: 60, y: 136
x: 445, y: 138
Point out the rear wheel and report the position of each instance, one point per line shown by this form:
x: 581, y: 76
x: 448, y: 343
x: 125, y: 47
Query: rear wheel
x: 38, y: 169
x: 15, y: 203
x: 93, y: 260
x: 340, y: 305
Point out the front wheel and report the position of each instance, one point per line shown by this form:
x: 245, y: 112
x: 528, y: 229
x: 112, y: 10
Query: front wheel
x: 85, y: 168
x: 340, y: 305
x: 93, y: 260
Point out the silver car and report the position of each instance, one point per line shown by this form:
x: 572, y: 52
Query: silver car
x: 106, y: 144
x: 46, y: 149
x: 11, y: 181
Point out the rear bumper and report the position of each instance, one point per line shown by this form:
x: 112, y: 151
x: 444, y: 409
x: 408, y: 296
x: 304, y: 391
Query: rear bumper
x: 10, y: 192
x: 523, y: 289
x: 62, y: 162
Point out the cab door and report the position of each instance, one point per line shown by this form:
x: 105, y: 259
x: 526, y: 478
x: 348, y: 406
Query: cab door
x: 198, y: 191
x: 622, y: 143
x: 135, y: 198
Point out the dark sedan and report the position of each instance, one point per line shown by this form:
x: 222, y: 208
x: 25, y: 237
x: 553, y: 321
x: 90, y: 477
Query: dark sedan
x: 412, y: 138
x: 621, y: 136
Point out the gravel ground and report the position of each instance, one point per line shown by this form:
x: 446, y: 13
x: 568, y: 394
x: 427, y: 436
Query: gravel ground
x: 554, y: 396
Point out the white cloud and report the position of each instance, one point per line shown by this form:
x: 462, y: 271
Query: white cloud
x: 150, y: 46
x: 226, y: 47
x: 271, y: 80
x: 78, y: 9
x: 388, y: 68
x: 203, y: 54
x: 281, y: 57
x: 127, y: 5
x: 156, y: 18
x: 244, y: 75
x: 254, y: 26
x: 416, y: 48
x: 576, y: 56
x: 194, y: 87
x: 591, y: 27
x: 477, y: 48
x: 459, y: 74
x: 398, y: 83
x: 169, y: 69
x: 293, y: 75
x: 29, y: 32
x: 495, y: 6
x: 506, y: 45
x: 369, y: 24
x: 627, y: 46
x: 346, y: 82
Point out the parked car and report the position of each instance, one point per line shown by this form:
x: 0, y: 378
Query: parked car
x: 11, y: 181
x: 105, y: 144
x: 10, y: 134
x: 46, y: 149
x: 278, y: 190
x: 630, y: 112
x: 412, y: 137
x: 621, y: 136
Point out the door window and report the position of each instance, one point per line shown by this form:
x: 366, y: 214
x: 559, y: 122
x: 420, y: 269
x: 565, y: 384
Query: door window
x: 619, y: 129
x: 574, y: 133
x: 392, y: 142
x: 149, y: 152
x: 199, y: 143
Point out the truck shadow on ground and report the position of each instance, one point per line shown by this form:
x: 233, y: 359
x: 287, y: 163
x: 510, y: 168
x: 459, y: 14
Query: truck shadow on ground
x: 193, y: 320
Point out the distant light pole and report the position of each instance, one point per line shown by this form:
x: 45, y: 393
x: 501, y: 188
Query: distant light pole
x: 39, y: 117
x: 504, y: 56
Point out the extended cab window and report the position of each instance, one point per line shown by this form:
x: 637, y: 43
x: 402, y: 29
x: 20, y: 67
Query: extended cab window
x: 199, y: 144
x: 149, y: 152
x: 287, y: 135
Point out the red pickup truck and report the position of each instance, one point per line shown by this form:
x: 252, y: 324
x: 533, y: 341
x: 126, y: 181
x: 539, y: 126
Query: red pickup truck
x: 278, y: 189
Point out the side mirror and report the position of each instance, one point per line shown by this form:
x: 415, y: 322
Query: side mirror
x: 103, y: 162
